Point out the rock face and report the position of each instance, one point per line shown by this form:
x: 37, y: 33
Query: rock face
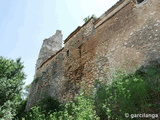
x: 49, y: 47
x: 125, y: 36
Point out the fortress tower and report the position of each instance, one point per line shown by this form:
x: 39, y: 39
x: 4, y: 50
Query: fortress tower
x: 49, y: 47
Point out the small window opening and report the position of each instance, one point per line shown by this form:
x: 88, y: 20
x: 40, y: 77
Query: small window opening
x: 67, y: 53
x: 139, y: 1
x: 80, y: 51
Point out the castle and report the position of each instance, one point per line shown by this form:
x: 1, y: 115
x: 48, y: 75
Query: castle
x: 126, y: 35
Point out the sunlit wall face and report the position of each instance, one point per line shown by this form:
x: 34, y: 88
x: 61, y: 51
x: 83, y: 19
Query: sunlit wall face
x: 25, y: 24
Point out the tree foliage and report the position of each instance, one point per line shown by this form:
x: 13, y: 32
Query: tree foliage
x: 117, y: 97
x: 11, y: 84
x: 111, y: 98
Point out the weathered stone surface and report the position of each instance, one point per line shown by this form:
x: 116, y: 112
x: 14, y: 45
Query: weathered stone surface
x: 49, y: 47
x: 127, y: 35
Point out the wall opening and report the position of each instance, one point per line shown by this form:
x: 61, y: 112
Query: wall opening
x: 67, y: 53
x: 79, y: 48
x: 139, y: 1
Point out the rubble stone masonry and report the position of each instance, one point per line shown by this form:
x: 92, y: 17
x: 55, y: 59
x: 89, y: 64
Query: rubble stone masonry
x: 125, y: 36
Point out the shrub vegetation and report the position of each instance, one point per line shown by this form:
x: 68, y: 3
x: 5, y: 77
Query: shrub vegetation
x: 110, y: 99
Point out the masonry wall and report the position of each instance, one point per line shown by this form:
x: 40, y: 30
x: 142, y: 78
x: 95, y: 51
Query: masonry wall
x: 126, y: 36
x: 49, y: 47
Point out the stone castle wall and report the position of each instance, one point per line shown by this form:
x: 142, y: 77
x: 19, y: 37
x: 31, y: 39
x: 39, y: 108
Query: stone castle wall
x: 49, y: 47
x: 127, y: 35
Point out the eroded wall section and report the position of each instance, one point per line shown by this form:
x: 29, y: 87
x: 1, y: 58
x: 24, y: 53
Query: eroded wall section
x: 49, y: 47
x: 127, y: 35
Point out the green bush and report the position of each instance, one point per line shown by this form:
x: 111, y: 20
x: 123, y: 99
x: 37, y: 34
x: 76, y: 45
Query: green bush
x: 89, y: 17
x: 44, y: 108
x: 82, y: 109
x: 111, y: 99
x: 129, y: 93
x: 126, y: 94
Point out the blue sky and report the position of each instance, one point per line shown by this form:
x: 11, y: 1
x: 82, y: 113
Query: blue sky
x: 24, y: 24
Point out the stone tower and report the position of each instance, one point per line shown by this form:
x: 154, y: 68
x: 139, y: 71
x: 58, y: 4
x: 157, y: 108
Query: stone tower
x: 49, y: 47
